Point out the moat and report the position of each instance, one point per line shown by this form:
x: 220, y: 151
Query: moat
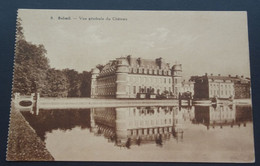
x: 147, y: 133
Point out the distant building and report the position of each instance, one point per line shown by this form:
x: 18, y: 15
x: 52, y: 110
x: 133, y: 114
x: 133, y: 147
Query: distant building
x: 210, y: 86
x: 126, y: 77
x: 187, y: 87
x: 242, y: 87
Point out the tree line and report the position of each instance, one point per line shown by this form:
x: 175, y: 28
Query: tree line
x: 33, y: 74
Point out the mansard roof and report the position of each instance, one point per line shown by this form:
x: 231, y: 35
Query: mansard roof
x: 147, y: 63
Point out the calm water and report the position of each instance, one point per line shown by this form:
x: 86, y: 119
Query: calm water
x: 197, y: 133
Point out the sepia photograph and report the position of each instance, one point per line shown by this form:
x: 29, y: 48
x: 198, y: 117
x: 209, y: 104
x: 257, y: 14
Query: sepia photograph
x: 131, y: 86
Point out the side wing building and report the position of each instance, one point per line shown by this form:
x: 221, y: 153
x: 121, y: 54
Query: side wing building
x: 224, y: 87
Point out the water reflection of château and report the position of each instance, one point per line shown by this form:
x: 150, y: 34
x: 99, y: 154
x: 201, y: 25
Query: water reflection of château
x: 138, y: 125
x: 223, y: 115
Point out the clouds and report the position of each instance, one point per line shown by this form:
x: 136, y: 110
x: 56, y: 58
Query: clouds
x: 156, y: 38
x: 93, y: 35
x: 201, y: 41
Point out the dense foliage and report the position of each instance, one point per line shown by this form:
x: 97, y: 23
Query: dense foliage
x: 32, y: 73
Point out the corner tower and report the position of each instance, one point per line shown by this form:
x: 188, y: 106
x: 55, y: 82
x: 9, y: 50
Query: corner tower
x: 121, y: 78
x: 176, y: 79
x: 94, y: 89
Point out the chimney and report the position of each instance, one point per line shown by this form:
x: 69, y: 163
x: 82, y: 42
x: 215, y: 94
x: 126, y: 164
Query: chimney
x: 242, y: 76
x: 139, y: 61
x: 206, y: 74
x: 236, y: 76
x: 218, y: 74
x: 211, y: 74
x: 229, y: 75
x: 129, y: 59
x: 159, y: 62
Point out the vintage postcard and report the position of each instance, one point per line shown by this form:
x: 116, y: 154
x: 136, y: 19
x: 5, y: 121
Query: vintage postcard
x: 153, y: 86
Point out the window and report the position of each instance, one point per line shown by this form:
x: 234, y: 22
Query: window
x: 139, y: 70
x: 164, y: 80
x: 134, y: 90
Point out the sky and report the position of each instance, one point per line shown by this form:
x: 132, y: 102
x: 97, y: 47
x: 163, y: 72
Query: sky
x: 202, y: 41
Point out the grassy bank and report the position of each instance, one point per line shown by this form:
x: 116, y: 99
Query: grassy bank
x: 23, y: 142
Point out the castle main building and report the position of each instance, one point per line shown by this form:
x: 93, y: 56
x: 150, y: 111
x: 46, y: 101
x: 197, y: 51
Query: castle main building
x: 126, y: 77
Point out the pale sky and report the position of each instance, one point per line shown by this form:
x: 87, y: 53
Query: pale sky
x: 203, y: 42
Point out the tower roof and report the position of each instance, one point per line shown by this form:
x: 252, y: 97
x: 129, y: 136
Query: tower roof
x: 95, y: 71
x: 122, y: 61
x: 177, y: 67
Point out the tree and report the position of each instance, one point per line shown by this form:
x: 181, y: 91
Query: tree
x: 30, y: 65
x: 85, y: 84
x: 57, y: 84
x: 32, y: 72
x: 74, y: 82
x: 19, y: 30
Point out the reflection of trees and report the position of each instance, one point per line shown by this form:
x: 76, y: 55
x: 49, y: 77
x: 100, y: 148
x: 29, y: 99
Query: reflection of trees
x: 202, y: 114
x: 243, y: 113
x: 49, y: 120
